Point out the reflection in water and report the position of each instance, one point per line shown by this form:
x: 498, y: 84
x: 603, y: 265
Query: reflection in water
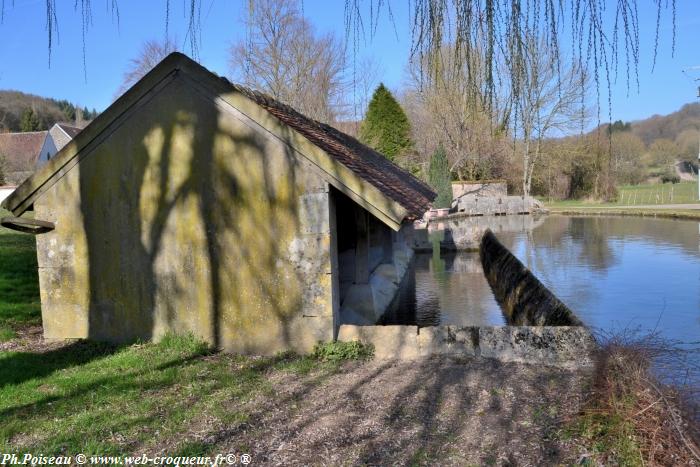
x: 446, y: 289
x: 613, y: 272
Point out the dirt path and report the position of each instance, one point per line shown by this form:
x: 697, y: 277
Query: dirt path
x: 431, y: 412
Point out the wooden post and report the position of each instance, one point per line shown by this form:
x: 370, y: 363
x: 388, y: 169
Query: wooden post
x: 361, y: 246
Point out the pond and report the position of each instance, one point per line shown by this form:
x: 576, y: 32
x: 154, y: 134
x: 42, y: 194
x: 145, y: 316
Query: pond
x: 613, y: 272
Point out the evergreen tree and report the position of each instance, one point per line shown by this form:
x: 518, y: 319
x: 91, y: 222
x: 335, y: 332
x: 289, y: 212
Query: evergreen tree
x: 29, y: 121
x: 2, y: 170
x: 386, y: 127
x: 439, y: 178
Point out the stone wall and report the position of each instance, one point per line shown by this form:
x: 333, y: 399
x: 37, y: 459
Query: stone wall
x: 557, y: 346
x: 493, y: 189
x: 187, y: 218
x: 525, y: 301
x: 471, y: 205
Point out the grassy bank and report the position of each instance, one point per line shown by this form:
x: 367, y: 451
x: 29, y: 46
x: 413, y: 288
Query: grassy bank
x: 640, y: 195
x: 19, y: 284
x: 103, y: 399
x: 639, y: 200
x: 630, y: 417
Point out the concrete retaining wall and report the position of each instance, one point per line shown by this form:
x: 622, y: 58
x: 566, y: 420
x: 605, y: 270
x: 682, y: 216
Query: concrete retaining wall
x: 563, y: 346
x: 525, y: 301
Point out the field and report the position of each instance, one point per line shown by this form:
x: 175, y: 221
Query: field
x: 642, y: 195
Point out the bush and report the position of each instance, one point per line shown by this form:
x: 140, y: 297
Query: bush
x: 440, y: 179
x: 670, y: 178
x: 340, y: 351
x: 633, y: 418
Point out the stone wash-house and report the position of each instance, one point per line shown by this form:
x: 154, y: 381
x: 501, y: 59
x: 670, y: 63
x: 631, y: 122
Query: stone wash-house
x: 195, y: 205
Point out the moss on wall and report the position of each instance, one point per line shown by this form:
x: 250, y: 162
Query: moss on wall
x: 186, y: 218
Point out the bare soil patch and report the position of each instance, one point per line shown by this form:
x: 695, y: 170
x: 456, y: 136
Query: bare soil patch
x: 438, y: 410
x: 31, y: 339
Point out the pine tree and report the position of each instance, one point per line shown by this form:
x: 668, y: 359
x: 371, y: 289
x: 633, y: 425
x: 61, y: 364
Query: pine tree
x: 439, y: 178
x: 386, y: 127
x: 29, y: 121
x: 2, y: 170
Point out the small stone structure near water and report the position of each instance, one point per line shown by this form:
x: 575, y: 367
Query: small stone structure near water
x: 541, y: 329
x: 489, y: 198
x: 195, y: 205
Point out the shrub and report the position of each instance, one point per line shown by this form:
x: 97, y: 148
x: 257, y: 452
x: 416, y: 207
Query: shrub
x: 340, y: 351
x: 670, y: 178
x: 633, y: 418
x: 440, y: 179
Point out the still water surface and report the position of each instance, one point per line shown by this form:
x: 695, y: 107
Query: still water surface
x: 613, y: 272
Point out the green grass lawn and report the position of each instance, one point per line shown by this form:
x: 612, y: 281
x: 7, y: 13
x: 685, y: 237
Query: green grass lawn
x: 639, y: 195
x: 103, y: 399
x: 19, y: 283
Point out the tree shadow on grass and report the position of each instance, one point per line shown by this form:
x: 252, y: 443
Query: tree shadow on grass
x: 18, y: 367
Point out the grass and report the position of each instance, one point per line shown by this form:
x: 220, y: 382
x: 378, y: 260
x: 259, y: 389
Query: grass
x: 637, y: 195
x: 640, y: 195
x: 109, y: 400
x: 631, y: 418
x: 19, y: 284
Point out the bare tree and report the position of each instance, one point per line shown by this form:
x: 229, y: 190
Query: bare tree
x: 152, y: 52
x: 445, y: 106
x: 548, y: 102
x: 283, y: 57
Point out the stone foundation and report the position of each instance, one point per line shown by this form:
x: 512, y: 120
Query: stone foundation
x: 562, y: 346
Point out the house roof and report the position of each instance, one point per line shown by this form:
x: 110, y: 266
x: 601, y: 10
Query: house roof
x: 21, y: 151
x: 387, y: 191
x: 62, y: 134
x: 70, y: 130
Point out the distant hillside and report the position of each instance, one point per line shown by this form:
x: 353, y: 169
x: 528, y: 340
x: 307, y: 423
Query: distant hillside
x: 27, y: 112
x: 670, y: 126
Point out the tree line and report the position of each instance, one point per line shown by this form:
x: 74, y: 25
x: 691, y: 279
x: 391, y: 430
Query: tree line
x: 21, y: 112
x: 512, y: 128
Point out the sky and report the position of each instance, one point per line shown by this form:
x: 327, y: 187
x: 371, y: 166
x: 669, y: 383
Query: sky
x: 111, y: 44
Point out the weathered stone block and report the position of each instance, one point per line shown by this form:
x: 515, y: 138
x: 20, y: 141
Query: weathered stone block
x: 568, y: 346
x: 390, y: 342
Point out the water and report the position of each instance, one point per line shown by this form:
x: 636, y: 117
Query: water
x: 614, y: 272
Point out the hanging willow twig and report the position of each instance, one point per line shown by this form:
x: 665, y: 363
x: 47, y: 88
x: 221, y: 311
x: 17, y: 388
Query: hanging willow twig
x: 499, y: 26
x: 192, y: 14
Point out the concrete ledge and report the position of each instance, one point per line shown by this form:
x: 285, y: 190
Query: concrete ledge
x: 562, y: 346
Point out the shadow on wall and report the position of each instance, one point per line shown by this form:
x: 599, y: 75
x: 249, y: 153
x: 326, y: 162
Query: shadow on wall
x: 186, y: 211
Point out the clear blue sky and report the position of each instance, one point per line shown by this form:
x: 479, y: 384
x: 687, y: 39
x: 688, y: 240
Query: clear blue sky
x: 24, y: 55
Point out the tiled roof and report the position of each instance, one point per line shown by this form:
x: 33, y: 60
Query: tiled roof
x: 72, y: 131
x: 21, y: 150
x: 394, y: 182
